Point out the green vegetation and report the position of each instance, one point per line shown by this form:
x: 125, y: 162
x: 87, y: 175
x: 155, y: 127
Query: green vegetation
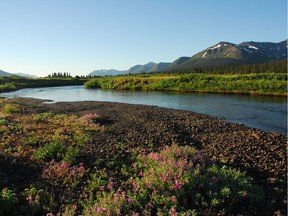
x: 254, y: 83
x: 261, y: 79
x: 279, y: 66
x: 174, y: 181
x: 14, y: 83
x: 10, y: 108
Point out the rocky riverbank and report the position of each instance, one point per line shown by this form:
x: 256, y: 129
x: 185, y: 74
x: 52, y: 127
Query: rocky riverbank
x: 261, y: 154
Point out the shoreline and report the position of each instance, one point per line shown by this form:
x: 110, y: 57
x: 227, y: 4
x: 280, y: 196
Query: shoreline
x: 251, y: 124
x: 262, y: 155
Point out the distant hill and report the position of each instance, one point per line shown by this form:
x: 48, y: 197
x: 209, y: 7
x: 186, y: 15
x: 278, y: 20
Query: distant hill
x: 180, y: 61
x: 25, y: 75
x: 4, y: 73
x: 137, y: 69
x: 220, y: 54
x: 149, y: 67
x: 104, y: 72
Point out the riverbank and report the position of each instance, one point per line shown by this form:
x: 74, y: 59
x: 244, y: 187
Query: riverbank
x: 125, y: 128
x: 274, y: 84
x: 8, y: 84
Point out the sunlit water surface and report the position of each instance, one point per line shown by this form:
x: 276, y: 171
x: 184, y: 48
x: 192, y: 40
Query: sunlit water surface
x: 263, y: 112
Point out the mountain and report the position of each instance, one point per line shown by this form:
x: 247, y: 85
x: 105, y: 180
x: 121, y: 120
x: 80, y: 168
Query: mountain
x: 226, y: 53
x: 149, y: 67
x: 3, y: 73
x: 6, y: 74
x: 104, y: 72
x: 137, y: 69
x: 220, y: 54
x: 180, y: 61
x: 25, y: 75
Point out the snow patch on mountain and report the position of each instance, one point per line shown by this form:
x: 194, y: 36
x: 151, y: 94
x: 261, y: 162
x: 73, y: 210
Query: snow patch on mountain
x: 253, y: 47
x: 215, y: 47
x: 204, y: 54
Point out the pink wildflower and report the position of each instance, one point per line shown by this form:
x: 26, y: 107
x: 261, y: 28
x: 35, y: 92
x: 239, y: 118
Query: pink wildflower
x: 110, y: 185
x: 130, y: 200
x: 173, y: 199
x: 150, y: 205
x: 29, y: 198
x: 173, y: 212
x: 178, y: 185
x: 134, y: 183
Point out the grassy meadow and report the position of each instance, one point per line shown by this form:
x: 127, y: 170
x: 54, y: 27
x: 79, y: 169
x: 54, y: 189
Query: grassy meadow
x: 253, y: 83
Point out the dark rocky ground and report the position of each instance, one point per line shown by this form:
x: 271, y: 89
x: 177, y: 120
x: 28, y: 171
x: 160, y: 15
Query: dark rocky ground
x: 261, y: 154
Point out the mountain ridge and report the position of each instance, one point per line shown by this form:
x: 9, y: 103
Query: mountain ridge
x: 7, y: 74
x: 221, y: 54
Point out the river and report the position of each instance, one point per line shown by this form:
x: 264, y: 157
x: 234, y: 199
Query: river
x: 263, y: 112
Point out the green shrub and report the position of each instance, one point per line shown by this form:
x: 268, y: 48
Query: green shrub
x: 8, y: 87
x: 39, y: 200
x: 10, y: 108
x: 53, y: 150
x: 42, y: 117
x: 8, y: 201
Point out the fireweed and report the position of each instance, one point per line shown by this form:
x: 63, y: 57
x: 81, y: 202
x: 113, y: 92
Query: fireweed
x: 175, y: 181
x: 178, y: 180
x: 63, y: 173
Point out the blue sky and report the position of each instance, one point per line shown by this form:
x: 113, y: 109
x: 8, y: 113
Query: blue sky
x: 78, y: 36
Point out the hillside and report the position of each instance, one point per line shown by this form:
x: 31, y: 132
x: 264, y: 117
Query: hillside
x: 225, y: 53
x: 4, y: 73
x: 220, y: 54
x: 137, y: 69
x: 149, y: 67
x: 104, y: 72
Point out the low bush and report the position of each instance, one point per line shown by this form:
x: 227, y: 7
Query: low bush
x: 179, y: 180
x: 10, y: 108
x: 8, y: 201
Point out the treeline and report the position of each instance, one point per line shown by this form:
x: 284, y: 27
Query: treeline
x: 270, y: 67
x: 60, y: 74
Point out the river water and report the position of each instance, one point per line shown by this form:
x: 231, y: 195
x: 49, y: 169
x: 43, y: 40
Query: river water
x: 263, y: 112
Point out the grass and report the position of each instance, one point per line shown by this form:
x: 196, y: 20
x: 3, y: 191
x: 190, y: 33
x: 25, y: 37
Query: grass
x: 260, y: 84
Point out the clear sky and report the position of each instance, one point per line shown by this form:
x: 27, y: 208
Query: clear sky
x: 40, y: 37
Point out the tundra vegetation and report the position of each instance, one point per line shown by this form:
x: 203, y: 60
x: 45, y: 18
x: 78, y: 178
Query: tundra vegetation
x: 15, y: 82
x: 177, y: 180
x: 254, y: 83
